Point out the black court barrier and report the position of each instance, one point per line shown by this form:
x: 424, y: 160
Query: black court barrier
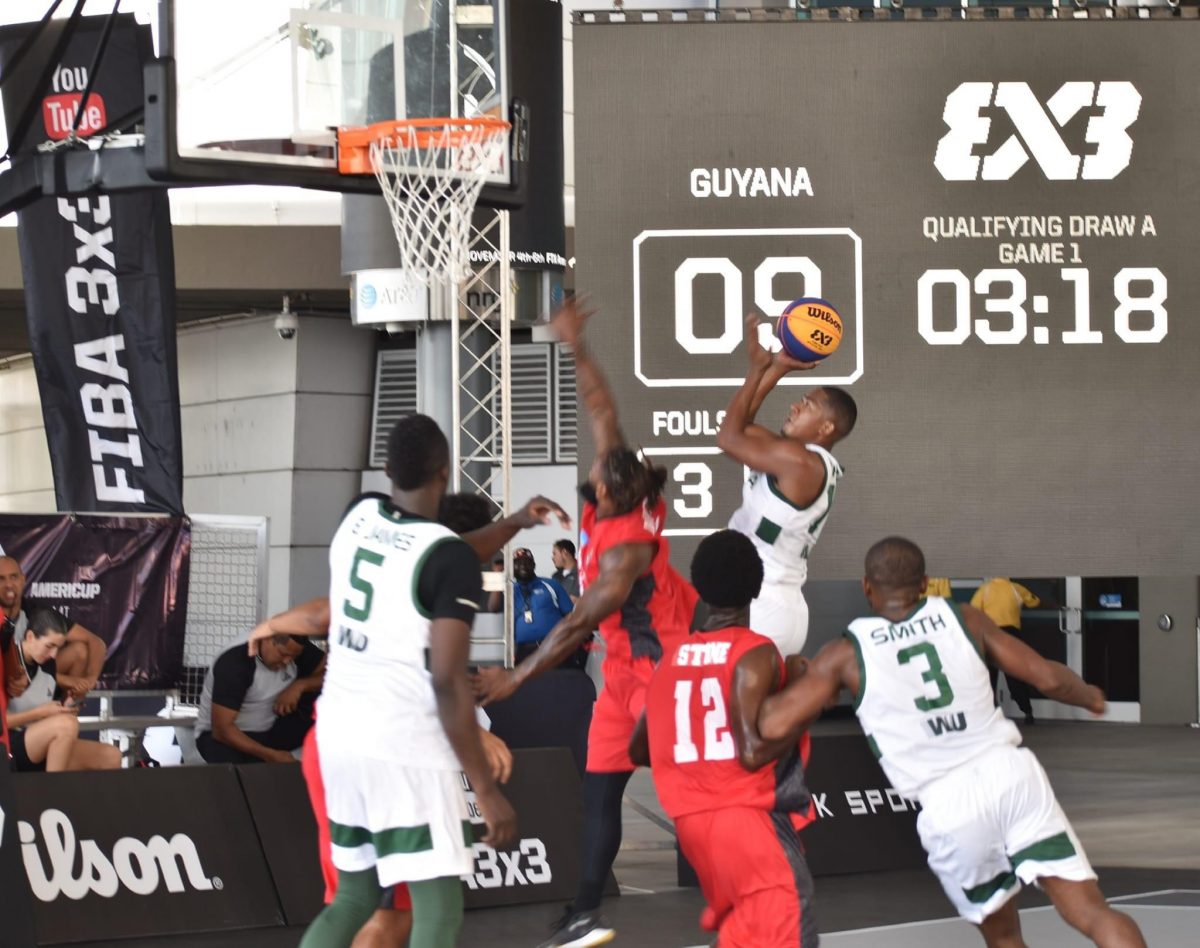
x: 553, y: 710
x: 862, y: 824
x: 287, y: 830
x: 130, y: 853
x: 543, y: 865
x: 16, y: 925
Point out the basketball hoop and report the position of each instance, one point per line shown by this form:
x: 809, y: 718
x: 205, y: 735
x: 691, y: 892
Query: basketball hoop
x: 430, y: 172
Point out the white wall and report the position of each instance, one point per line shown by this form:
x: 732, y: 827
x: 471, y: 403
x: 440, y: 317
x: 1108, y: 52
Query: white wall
x: 270, y: 428
x: 26, y: 483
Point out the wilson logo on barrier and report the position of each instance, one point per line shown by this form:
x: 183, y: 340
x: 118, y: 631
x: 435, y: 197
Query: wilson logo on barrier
x: 1038, y: 128
x: 77, y: 870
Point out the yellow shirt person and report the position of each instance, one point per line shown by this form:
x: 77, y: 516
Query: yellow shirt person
x: 1001, y: 599
x: 938, y: 586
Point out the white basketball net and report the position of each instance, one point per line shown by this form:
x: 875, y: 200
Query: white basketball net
x: 431, y: 176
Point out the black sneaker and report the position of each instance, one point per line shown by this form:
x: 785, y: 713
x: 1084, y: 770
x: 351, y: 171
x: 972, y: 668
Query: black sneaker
x: 1030, y: 720
x: 580, y: 930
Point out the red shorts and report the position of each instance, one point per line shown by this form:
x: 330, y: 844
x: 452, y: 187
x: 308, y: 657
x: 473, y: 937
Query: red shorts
x: 754, y: 878
x: 616, y: 713
x: 310, y: 764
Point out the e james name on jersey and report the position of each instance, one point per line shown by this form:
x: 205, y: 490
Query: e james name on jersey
x: 397, y: 538
x: 750, y: 182
x: 907, y: 630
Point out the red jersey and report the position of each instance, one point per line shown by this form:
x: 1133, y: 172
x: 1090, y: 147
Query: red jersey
x: 658, y: 612
x: 692, y: 752
x: 7, y: 656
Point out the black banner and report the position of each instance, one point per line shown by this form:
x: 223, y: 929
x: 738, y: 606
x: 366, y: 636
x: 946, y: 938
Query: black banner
x: 99, y: 276
x: 129, y: 853
x: 123, y: 578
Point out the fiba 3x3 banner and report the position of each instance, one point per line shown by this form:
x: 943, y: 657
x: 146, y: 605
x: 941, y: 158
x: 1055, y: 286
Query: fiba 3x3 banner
x: 1003, y: 212
x: 99, y: 276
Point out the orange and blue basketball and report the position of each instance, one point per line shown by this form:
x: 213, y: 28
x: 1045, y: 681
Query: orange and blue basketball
x: 810, y: 329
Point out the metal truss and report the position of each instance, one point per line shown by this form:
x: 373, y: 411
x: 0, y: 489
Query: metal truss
x: 481, y: 369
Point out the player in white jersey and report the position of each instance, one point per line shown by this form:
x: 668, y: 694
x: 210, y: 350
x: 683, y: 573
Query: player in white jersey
x: 788, y: 498
x: 396, y: 717
x: 989, y: 820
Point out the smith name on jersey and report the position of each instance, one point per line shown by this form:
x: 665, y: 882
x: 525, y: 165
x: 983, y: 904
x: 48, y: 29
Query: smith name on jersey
x: 924, y: 699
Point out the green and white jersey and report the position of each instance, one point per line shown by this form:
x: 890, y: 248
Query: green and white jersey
x: 925, y: 701
x: 378, y: 699
x: 784, y: 533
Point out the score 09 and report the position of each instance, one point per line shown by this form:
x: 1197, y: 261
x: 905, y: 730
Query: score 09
x: 1151, y: 314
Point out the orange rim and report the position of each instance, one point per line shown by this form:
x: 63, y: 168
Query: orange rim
x: 354, y: 142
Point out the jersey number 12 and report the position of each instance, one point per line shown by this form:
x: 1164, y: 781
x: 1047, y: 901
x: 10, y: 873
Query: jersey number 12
x: 718, y: 742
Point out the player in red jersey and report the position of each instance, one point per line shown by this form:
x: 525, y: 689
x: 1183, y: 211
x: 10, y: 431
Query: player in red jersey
x: 737, y: 800
x: 641, y: 606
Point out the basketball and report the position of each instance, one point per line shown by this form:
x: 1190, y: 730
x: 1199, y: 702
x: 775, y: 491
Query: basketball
x: 810, y: 329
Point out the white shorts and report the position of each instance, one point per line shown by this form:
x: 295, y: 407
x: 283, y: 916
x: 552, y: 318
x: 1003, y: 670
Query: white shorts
x: 781, y: 614
x: 409, y: 824
x: 992, y: 824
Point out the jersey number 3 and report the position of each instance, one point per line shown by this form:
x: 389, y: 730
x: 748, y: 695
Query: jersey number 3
x: 933, y: 675
x: 718, y: 742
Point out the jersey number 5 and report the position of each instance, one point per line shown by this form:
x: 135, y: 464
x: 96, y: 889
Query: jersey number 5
x: 718, y: 742
x: 361, y: 585
x: 934, y: 675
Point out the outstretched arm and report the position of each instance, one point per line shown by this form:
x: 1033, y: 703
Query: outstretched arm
x: 786, y: 714
x: 489, y: 540
x: 568, y: 322
x: 752, y: 444
x: 309, y: 618
x: 620, y: 568
x: 757, y: 674
x: 1014, y: 657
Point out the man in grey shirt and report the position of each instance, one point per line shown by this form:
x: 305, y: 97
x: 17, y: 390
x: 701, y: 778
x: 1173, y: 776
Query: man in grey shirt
x: 566, y: 572
x: 258, y: 708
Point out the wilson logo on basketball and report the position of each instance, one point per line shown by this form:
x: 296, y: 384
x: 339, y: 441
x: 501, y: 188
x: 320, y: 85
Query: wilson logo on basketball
x: 1113, y: 108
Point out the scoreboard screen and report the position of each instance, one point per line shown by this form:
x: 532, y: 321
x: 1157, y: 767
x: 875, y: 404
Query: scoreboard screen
x: 1004, y: 212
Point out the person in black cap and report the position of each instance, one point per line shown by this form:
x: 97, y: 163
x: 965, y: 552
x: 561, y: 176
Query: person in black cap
x: 538, y: 603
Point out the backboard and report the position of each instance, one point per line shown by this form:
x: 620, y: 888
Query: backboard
x: 253, y: 92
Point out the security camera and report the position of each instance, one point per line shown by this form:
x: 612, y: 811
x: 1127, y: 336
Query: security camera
x: 286, y: 325
x: 286, y: 322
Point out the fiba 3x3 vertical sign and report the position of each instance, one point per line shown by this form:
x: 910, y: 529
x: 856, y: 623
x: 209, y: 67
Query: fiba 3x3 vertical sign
x: 692, y: 289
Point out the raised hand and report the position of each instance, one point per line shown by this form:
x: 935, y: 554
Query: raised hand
x: 570, y: 320
x: 539, y: 510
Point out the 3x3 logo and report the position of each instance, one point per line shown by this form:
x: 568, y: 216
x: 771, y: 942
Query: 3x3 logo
x: 1038, y: 130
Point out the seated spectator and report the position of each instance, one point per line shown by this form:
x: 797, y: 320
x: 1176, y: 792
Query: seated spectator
x: 82, y: 655
x: 259, y: 708
x: 566, y: 572
x: 43, y: 721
